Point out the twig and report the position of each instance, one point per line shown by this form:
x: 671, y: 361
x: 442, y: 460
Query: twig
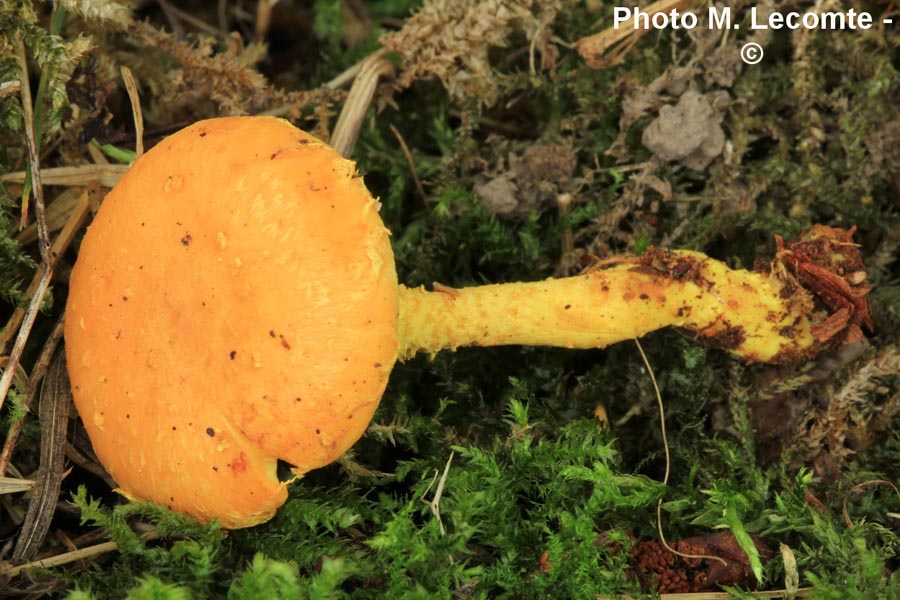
x: 61, y: 559
x: 10, y: 571
x: 412, y: 165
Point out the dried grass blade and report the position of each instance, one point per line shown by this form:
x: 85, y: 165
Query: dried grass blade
x: 37, y: 375
x: 135, y: 99
x: 608, y: 48
x: 14, y: 485
x: 106, y: 175
x: 346, y: 130
x: 76, y: 219
x: 56, y: 397
x: 34, y: 159
x: 61, y: 559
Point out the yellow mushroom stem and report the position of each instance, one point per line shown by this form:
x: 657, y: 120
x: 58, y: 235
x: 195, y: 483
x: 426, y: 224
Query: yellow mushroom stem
x: 763, y: 316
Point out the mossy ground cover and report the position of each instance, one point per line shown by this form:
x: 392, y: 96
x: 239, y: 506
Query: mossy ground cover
x: 518, y: 161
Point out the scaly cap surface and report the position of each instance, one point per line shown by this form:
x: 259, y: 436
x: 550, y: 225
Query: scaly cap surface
x: 234, y: 302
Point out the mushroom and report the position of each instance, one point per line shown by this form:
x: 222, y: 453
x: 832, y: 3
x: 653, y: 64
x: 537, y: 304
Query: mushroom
x: 235, y: 303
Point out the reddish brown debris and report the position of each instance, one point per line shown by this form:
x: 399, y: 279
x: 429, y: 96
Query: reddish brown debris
x: 659, y: 569
x: 828, y: 263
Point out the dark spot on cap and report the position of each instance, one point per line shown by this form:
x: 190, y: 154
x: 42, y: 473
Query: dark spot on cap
x: 125, y: 298
x: 186, y: 240
x: 304, y: 141
x: 216, y: 469
x: 174, y: 428
x: 644, y: 297
x: 202, y: 134
x: 271, y: 333
x: 567, y: 306
x: 298, y: 399
x: 378, y: 365
x: 210, y: 431
x: 284, y: 343
x: 318, y: 431
x: 232, y: 354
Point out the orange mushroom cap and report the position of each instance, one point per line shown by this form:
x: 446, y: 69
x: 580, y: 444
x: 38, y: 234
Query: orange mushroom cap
x: 234, y: 303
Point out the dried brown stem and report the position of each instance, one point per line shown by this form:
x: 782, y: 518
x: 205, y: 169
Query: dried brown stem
x: 346, y: 130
